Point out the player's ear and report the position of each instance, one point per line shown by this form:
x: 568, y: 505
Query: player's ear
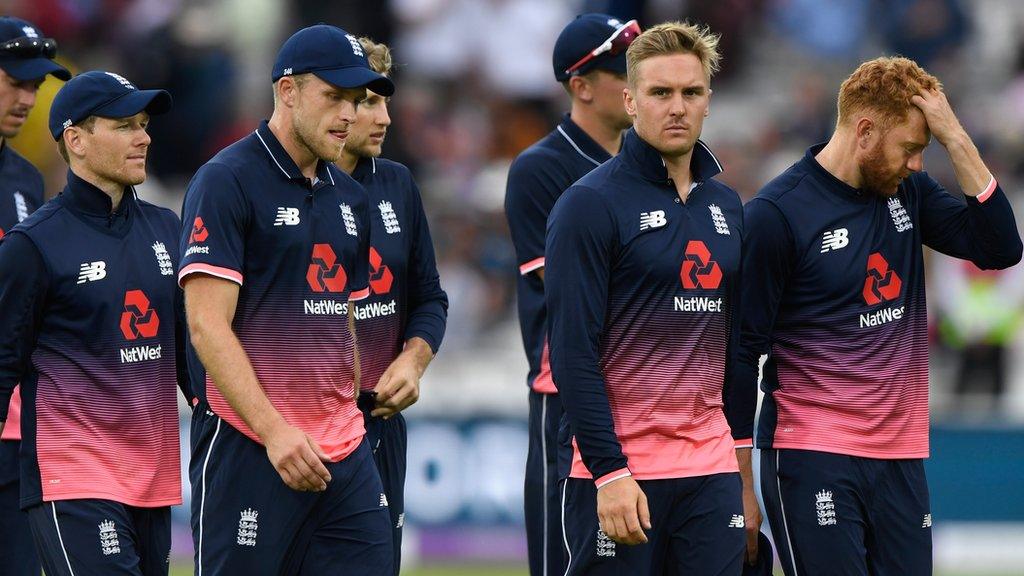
x: 287, y: 90
x: 74, y: 141
x: 581, y: 89
x: 866, y: 130
x: 629, y: 102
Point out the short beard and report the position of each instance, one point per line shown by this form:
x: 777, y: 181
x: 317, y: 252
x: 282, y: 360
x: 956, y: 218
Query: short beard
x: 873, y: 173
x: 309, y: 143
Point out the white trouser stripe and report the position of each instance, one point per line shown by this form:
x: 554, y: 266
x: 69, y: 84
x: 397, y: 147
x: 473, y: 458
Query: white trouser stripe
x: 60, y: 538
x: 544, y: 452
x: 782, y: 508
x: 202, y: 499
x: 565, y: 536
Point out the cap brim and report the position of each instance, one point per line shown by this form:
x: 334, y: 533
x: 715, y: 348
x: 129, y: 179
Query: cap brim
x: 357, y: 77
x: 152, y: 101
x: 33, y: 68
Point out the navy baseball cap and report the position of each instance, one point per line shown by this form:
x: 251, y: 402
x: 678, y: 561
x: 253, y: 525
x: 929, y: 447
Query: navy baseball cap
x: 25, y: 53
x: 590, y: 33
x: 765, y: 558
x: 98, y: 93
x: 335, y: 56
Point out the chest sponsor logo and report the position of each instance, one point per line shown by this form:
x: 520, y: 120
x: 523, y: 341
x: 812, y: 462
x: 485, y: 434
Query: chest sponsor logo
x: 325, y: 273
x: 718, y: 219
x: 109, y: 542
x: 349, y: 219
x: 835, y: 240
x: 387, y: 215
x: 881, y: 285
x: 699, y: 270
x: 825, y: 508
x: 199, y: 232
x: 20, y: 206
x: 247, y: 527
x: 139, y: 320
x: 653, y: 219
x: 381, y: 277
x: 900, y: 218
x: 92, y: 271
x: 163, y: 259
x: 286, y: 216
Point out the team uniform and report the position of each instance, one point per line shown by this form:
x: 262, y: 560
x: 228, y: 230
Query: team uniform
x: 641, y: 291
x: 406, y: 301
x: 834, y: 294
x: 299, y: 251
x: 90, y: 331
x: 535, y: 181
x: 21, y: 193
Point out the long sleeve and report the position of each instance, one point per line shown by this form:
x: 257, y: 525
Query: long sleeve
x: 23, y: 284
x: 580, y: 247
x: 768, y: 260
x: 982, y: 231
x: 428, y: 303
x: 739, y: 395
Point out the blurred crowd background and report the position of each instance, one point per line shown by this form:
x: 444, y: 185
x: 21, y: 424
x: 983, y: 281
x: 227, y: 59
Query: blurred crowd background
x: 475, y: 87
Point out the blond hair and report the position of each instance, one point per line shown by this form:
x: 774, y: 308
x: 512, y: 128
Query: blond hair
x: 378, y: 54
x: 674, y: 38
x: 884, y: 86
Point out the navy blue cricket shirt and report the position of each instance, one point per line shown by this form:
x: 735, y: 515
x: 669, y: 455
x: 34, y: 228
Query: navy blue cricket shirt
x: 536, y: 179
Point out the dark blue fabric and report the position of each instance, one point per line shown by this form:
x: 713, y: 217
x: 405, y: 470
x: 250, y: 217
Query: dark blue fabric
x: 408, y: 251
x: 18, y: 554
x: 592, y: 227
x: 541, y: 497
x: 101, y: 538
x: 21, y: 188
x: 847, y: 516
x: 333, y: 55
x: 345, y: 528
x: 388, y: 440
x: 694, y: 529
x: 102, y: 94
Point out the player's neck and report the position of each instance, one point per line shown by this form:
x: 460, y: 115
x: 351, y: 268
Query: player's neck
x: 678, y: 168
x: 607, y: 137
x: 113, y: 189
x: 838, y: 157
x: 347, y: 162
x: 303, y: 157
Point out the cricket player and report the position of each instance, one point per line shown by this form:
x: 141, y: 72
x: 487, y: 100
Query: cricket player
x: 590, y: 63
x: 276, y: 252
x: 26, y: 59
x: 642, y: 263
x: 91, y: 309
x: 834, y: 294
x: 401, y: 324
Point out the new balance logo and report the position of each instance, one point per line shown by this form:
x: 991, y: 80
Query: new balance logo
x: 286, y: 216
x: 927, y: 523
x: 655, y: 219
x: 383, y: 500
x: 247, y: 527
x: 835, y: 240
x: 92, y: 271
x: 737, y: 521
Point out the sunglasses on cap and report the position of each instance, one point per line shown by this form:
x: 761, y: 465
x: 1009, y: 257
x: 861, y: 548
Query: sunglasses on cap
x: 26, y: 47
x: 615, y: 44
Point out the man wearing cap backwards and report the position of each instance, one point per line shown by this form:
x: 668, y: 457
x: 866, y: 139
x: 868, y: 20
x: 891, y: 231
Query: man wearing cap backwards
x: 590, y: 62
x: 276, y: 250
x: 89, y: 329
x: 402, y: 323
x: 25, y: 61
x: 642, y: 261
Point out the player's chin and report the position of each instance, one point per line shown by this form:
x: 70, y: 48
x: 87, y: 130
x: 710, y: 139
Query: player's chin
x: 331, y: 151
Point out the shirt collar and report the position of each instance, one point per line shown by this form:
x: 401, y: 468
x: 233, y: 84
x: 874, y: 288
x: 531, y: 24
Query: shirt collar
x: 5, y: 151
x: 835, y: 184
x: 365, y: 166
x: 279, y: 156
x: 703, y: 163
x: 83, y: 197
x: 582, y: 142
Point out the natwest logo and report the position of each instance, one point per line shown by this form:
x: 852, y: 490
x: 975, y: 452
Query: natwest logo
x: 199, y: 231
x: 380, y: 275
x: 699, y: 270
x: 882, y: 283
x: 138, y: 320
x: 324, y: 273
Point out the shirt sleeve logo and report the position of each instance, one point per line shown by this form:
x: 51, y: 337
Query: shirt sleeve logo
x: 381, y: 277
x: 324, y: 273
x: 882, y: 283
x: 138, y: 320
x: 699, y: 270
x: 199, y: 231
